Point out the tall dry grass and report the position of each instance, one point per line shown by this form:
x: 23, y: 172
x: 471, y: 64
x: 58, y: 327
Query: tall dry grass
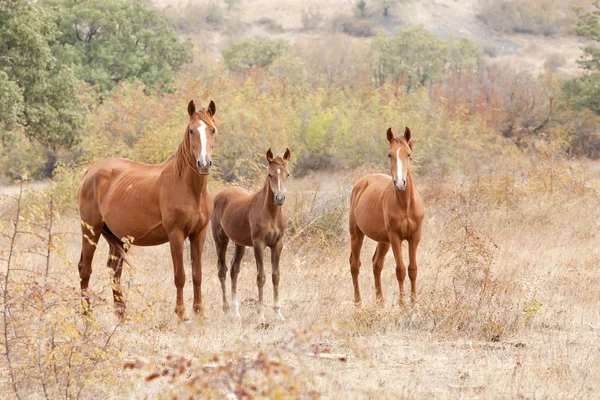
x: 508, y: 269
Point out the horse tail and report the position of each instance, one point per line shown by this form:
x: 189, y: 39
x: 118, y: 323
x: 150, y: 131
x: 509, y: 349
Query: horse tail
x: 118, y: 245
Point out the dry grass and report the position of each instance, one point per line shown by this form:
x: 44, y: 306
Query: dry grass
x: 508, y: 306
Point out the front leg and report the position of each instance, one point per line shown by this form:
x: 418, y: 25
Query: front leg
x: 176, y: 239
x: 196, y: 247
x: 396, y: 243
x: 259, y: 248
x: 413, y: 243
x: 275, y: 256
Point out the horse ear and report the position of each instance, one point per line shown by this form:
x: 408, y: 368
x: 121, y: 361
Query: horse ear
x: 390, y: 134
x: 287, y: 155
x: 407, y: 134
x: 191, y: 108
x: 212, y: 108
x: 269, y: 155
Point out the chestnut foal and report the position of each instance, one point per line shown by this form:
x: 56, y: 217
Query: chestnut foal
x: 254, y: 220
x: 389, y: 211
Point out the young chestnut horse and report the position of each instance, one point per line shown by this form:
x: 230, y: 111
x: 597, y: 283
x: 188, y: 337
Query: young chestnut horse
x: 254, y: 220
x: 388, y: 210
x: 153, y: 204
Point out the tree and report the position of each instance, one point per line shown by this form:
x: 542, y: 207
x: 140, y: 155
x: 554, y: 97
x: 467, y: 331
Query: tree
x: 387, y: 4
x: 37, y: 96
x: 584, y: 92
x: 245, y: 54
x: 421, y: 58
x: 109, y: 41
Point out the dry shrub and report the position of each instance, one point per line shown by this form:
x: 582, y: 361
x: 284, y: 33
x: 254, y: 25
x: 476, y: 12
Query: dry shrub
x: 318, y: 222
x: 246, y: 372
x: 352, y: 26
x: 270, y: 25
x: 539, y: 17
x: 49, y: 349
x: 311, y: 19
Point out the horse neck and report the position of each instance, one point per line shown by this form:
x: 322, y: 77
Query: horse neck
x: 185, y: 169
x: 268, y: 200
x: 404, y: 198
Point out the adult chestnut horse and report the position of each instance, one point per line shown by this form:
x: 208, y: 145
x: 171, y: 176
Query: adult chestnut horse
x: 254, y: 220
x: 152, y: 204
x: 389, y: 211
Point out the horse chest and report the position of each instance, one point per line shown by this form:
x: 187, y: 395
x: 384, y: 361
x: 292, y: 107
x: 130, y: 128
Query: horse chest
x: 400, y: 224
x: 270, y: 233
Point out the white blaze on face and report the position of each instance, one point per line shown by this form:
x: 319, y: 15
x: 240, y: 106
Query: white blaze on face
x: 399, y: 166
x: 202, y: 131
x: 279, y: 179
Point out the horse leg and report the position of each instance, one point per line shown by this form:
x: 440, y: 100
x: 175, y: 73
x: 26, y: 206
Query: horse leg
x: 235, y: 270
x: 413, y: 243
x: 396, y: 243
x: 196, y: 248
x: 356, y: 241
x: 88, y: 247
x: 115, y: 262
x: 259, y: 248
x: 221, y: 242
x: 176, y: 239
x: 275, y: 256
x: 378, y: 260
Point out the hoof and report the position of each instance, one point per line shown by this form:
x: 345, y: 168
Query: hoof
x: 87, y: 308
x: 200, y: 314
x: 261, y: 318
x: 120, y: 313
x: 180, y: 311
x: 279, y: 316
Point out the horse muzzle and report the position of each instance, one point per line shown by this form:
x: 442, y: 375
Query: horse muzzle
x: 204, y: 168
x: 279, y: 199
x: 400, y: 184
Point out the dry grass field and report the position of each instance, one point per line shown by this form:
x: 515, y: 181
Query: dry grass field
x: 508, y: 308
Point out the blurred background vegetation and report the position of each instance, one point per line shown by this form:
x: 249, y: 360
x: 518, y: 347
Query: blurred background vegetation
x: 84, y: 80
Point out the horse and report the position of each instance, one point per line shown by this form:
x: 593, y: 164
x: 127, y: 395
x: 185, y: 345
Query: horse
x: 149, y: 205
x: 253, y: 220
x: 388, y: 210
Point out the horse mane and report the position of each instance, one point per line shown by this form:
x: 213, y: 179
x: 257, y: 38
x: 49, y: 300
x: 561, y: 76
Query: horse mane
x: 183, y: 155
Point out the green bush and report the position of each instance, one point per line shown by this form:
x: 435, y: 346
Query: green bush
x: 538, y: 17
x: 246, y: 54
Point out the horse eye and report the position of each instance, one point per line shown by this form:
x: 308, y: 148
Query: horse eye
x: 270, y: 175
x: 389, y: 155
x: 213, y: 131
x: 288, y: 175
x: 191, y: 131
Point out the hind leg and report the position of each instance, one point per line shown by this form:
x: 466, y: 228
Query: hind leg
x: 90, y: 235
x: 378, y: 260
x: 356, y: 241
x: 115, y: 262
x: 221, y: 242
x: 235, y: 270
x: 275, y: 256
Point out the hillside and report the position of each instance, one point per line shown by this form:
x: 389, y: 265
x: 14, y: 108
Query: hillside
x: 447, y: 18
